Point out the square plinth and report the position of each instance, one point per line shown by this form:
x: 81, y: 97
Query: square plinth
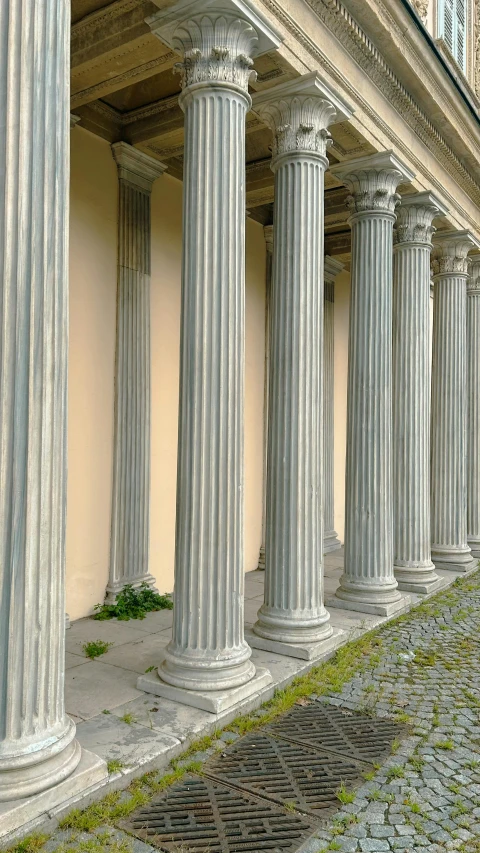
x: 90, y: 772
x: 426, y: 589
x: 214, y: 701
x: 396, y: 607
x: 303, y: 651
x: 461, y: 568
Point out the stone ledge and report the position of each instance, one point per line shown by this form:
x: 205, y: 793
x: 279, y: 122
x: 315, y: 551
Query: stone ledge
x: 208, y: 700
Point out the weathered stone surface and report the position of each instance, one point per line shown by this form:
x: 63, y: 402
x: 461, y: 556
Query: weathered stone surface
x: 208, y: 651
x: 293, y: 612
x: 368, y: 580
x: 450, y: 549
x: 473, y: 422
x: 413, y: 566
x: 38, y: 749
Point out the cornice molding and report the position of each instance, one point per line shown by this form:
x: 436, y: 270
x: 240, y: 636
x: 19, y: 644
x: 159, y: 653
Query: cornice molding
x: 331, y: 268
x: 88, y: 95
x: 352, y: 37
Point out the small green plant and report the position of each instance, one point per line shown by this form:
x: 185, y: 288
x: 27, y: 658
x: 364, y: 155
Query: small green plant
x: 114, y: 765
x: 290, y: 805
x: 106, y: 711
x: 31, y: 844
x: 345, y: 796
x: 129, y: 719
x: 133, y: 603
x: 395, y: 745
x: 445, y: 744
x: 95, y: 648
x: 395, y: 773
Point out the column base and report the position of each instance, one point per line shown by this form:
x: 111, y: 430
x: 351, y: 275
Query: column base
x: 303, y: 651
x: 331, y: 542
x: 114, y: 589
x: 67, y: 621
x: 14, y: 814
x: 419, y: 579
x: 474, y: 545
x: 454, y: 559
x: 380, y: 600
x: 291, y: 627
x: 422, y: 587
x: 213, y: 701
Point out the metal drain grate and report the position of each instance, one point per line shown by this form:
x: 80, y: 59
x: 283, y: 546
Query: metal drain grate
x: 203, y: 816
x: 285, y: 772
x: 328, y: 728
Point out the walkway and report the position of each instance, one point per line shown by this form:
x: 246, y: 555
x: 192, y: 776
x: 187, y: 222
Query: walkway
x: 422, y: 671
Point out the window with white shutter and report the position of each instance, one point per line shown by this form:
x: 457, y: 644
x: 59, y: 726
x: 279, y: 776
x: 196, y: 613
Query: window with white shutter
x: 452, y: 28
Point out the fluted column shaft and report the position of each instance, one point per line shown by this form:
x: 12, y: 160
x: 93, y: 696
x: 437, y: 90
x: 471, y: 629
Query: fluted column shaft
x: 293, y: 609
x: 473, y: 423
x: 208, y: 650
x: 268, y: 232
x: 368, y: 582
x: 37, y: 740
x: 130, y: 526
x: 413, y: 566
x: 450, y: 549
x: 330, y: 539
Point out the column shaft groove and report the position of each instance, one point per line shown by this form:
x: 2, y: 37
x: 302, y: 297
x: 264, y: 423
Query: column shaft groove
x: 473, y: 424
x: 37, y: 740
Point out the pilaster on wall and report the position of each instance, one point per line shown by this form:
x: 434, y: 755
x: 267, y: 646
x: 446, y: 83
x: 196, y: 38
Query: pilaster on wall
x: 331, y: 270
x: 130, y: 528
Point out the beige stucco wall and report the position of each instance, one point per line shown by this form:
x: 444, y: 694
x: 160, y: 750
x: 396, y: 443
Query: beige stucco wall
x: 93, y: 218
x: 93, y: 235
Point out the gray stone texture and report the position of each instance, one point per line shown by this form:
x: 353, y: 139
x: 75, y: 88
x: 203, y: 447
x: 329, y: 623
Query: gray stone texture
x: 450, y: 549
x: 268, y: 233
x: 38, y: 749
x: 293, y: 611
x: 413, y: 566
x: 368, y: 580
x: 208, y: 651
x: 473, y: 390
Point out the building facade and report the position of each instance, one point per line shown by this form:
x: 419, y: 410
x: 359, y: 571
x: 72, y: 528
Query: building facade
x: 221, y: 316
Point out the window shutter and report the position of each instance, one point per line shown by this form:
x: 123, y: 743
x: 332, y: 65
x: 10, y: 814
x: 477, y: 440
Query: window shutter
x: 460, y: 21
x: 448, y: 19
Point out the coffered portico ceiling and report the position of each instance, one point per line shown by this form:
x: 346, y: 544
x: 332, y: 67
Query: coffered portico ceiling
x: 124, y: 87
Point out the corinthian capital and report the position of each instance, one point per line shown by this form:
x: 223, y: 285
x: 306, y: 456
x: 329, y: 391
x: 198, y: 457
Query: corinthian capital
x: 373, y: 182
x: 414, y: 218
x: 217, y: 39
x: 299, y: 113
x: 450, y: 252
x: 473, y: 282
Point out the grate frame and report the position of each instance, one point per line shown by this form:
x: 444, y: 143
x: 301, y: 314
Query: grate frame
x: 286, y: 773
x: 328, y: 728
x: 202, y: 815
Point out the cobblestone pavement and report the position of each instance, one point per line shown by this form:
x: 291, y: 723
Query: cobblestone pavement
x: 424, y: 671
x: 426, y: 797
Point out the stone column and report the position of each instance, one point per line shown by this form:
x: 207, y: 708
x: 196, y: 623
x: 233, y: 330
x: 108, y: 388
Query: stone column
x: 268, y: 233
x: 450, y: 549
x: 130, y: 524
x: 39, y: 754
x: 368, y: 583
x: 293, y: 615
x: 208, y: 651
x: 413, y: 566
x: 330, y: 539
x: 473, y: 400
